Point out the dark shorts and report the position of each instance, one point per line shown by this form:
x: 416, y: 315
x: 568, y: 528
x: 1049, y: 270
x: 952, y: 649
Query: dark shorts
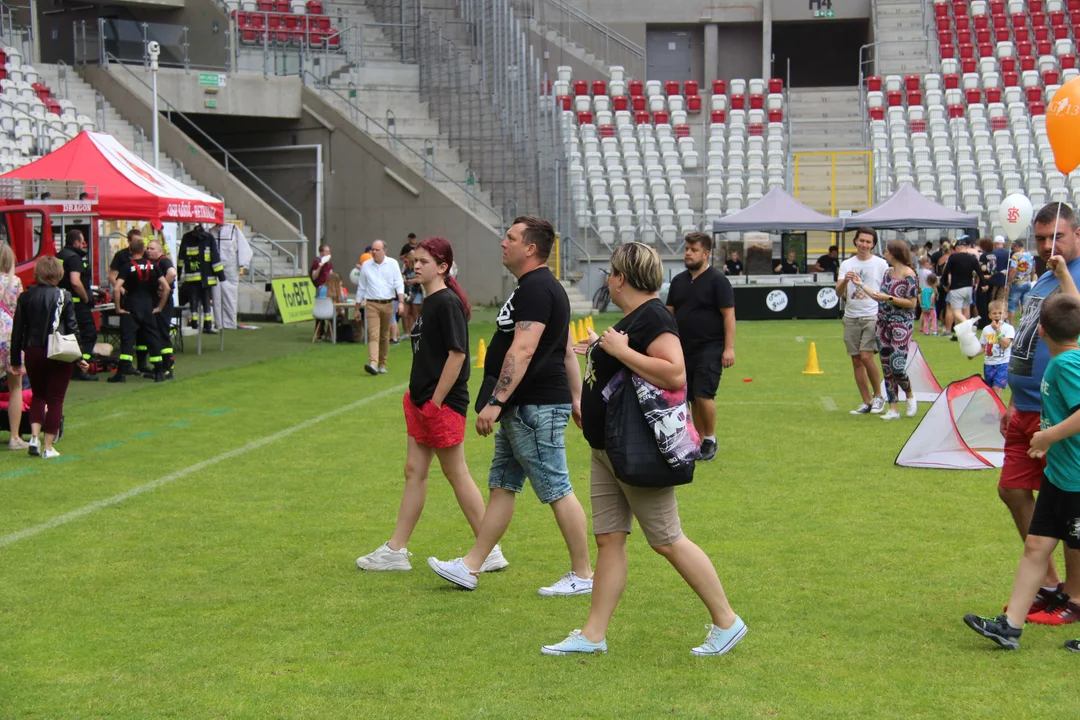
x: 1020, y: 470
x: 703, y: 374
x: 1057, y: 515
x: 437, y: 427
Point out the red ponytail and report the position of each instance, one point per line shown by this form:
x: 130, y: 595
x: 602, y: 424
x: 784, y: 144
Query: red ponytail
x: 440, y: 251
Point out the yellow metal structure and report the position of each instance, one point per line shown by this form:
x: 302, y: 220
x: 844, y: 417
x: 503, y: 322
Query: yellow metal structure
x: 830, y: 181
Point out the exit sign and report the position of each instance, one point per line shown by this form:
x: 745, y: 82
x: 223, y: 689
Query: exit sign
x: 824, y: 13
x: 821, y: 8
x: 211, y: 103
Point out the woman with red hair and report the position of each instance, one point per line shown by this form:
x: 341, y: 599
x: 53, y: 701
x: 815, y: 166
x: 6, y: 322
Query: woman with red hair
x: 435, y: 407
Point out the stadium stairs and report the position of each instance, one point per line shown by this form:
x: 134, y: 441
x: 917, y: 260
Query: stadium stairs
x: 82, y: 94
x: 901, y: 36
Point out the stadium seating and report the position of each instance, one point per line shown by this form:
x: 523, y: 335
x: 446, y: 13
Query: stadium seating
x: 32, y: 121
x: 284, y: 23
x: 652, y: 161
x: 976, y: 131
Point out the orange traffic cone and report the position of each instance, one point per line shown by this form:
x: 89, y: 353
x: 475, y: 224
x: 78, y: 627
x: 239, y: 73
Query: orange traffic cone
x: 481, y: 354
x: 812, y: 367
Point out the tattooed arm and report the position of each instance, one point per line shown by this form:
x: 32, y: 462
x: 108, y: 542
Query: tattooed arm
x: 526, y: 339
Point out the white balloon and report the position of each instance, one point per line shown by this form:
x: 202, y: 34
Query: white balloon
x: 1015, y: 214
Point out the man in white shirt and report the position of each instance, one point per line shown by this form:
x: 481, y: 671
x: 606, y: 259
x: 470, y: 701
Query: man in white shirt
x: 379, y: 284
x: 860, y: 317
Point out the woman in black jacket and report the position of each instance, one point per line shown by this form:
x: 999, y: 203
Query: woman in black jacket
x: 35, y: 313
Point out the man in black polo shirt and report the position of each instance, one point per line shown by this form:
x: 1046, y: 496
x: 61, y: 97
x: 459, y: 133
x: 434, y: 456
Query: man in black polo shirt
x: 77, y: 280
x: 829, y: 262
x: 703, y: 303
x: 531, y: 388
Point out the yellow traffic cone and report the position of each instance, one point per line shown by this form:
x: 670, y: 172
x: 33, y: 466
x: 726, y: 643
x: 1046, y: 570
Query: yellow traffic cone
x: 812, y: 362
x: 481, y: 354
x: 589, y: 323
x: 579, y: 331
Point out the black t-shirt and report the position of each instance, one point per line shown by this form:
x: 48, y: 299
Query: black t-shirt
x: 733, y: 267
x: 935, y: 256
x: 960, y: 270
x: 441, y: 327
x: 650, y: 320
x: 120, y: 259
x: 787, y: 268
x: 74, y: 261
x: 827, y: 263
x: 140, y: 282
x: 538, y: 298
x: 697, y: 303
x: 1001, y: 267
x: 986, y: 270
x: 164, y: 265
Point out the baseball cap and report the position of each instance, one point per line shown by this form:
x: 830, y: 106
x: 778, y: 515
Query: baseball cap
x: 999, y: 239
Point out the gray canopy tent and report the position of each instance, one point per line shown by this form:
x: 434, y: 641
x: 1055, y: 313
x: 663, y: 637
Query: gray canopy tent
x: 777, y: 212
x: 909, y: 209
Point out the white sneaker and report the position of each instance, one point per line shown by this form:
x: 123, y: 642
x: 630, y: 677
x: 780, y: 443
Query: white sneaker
x: 568, y: 584
x: 385, y: 558
x: 50, y: 453
x: 877, y: 405
x: 495, y: 560
x: 34, y: 446
x: 912, y: 407
x: 454, y: 571
x: 891, y: 415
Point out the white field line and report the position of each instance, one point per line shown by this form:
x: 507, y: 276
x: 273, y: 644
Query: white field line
x: 173, y: 476
x: 799, y: 338
x: 828, y: 403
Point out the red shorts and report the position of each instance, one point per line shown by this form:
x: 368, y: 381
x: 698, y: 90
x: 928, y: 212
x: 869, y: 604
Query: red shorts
x: 437, y: 427
x: 1019, y: 470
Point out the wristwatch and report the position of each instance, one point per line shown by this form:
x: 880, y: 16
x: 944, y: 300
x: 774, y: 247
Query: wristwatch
x: 496, y: 402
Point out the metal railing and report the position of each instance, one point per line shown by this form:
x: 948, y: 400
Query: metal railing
x: 609, y: 47
x: 231, y: 163
x: 294, y: 264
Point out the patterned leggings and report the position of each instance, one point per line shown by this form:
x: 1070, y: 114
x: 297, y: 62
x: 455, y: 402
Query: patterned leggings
x: 894, y: 370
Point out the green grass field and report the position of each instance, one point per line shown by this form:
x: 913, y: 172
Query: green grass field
x: 227, y: 588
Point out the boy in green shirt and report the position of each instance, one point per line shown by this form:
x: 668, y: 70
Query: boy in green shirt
x: 1057, y: 509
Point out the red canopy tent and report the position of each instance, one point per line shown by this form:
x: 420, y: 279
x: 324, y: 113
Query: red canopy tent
x: 128, y: 187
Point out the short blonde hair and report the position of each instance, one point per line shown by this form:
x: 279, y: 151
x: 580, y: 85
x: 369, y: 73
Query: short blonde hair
x: 48, y: 271
x: 640, y: 265
x: 998, y: 305
x: 7, y: 259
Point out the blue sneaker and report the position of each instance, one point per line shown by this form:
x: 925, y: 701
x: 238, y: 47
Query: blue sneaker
x: 574, y: 643
x: 721, y: 641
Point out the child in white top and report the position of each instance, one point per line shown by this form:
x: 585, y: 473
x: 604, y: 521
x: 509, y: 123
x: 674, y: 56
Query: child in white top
x: 995, y: 340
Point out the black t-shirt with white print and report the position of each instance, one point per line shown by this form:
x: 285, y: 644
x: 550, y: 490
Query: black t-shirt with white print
x: 538, y: 298
x: 647, y: 322
x: 441, y: 327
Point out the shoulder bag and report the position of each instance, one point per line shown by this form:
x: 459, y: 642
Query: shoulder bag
x: 64, y: 348
x: 648, y: 435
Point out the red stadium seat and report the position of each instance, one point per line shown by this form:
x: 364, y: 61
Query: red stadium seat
x: 993, y: 95
x: 641, y: 117
x: 693, y: 103
x: 273, y: 21
x: 1023, y: 49
x: 314, y: 7
x: 565, y: 102
x: 719, y: 117
x: 964, y: 36
x: 877, y: 113
x: 757, y: 102
x: 1056, y: 18
x: 986, y: 50
x: 911, y: 82
x: 637, y: 88
x: 1003, y: 35
x: 1008, y: 64
x: 947, y: 52
x: 918, y: 125
x: 1051, y: 77
x: 265, y: 6
x: 242, y: 21
x: 1035, y: 5
x: 620, y: 102
x: 606, y: 131
x: 974, y: 95
x: 962, y: 22
x: 776, y: 85
x: 914, y: 97
x: 1037, y: 108
x: 1033, y: 93
x: 944, y: 25
x: 894, y: 98
x: 999, y: 123
x: 324, y: 23
x: 258, y: 20
x: 247, y: 35
x: 660, y: 117
x: 599, y: 87
x: 719, y: 87
x: 777, y: 115
x: 1019, y: 20
x: 584, y: 118
x: 873, y: 83
x: 997, y: 7
x: 691, y: 87
x: 291, y: 21
x: 738, y: 102
x: 755, y: 129
x: 581, y: 87
x: 638, y: 103
x: 956, y: 111
x: 1044, y: 47
x: 282, y: 6
x: 1010, y: 79
x: 941, y: 10
x: 52, y: 104
x: 1067, y: 61
x: 999, y: 21
x: 1027, y: 63
x: 1073, y: 6
x: 982, y: 21
x: 671, y: 87
x: 682, y: 130
x: 968, y: 65
x: 952, y: 81
x: 1060, y: 32
x: 967, y: 50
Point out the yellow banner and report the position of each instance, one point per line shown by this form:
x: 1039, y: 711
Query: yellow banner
x: 295, y: 298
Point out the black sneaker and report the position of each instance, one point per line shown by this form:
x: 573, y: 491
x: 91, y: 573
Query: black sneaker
x: 129, y: 370
x: 708, y: 450
x: 1072, y: 645
x: 371, y: 370
x: 118, y: 377
x: 997, y: 629
x: 158, y: 377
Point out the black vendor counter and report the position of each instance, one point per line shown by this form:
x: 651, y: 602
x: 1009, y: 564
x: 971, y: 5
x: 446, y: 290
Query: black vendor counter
x: 791, y: 297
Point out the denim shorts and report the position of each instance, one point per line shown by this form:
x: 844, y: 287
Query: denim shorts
x: 531, y: 441
x: 1017, y: 294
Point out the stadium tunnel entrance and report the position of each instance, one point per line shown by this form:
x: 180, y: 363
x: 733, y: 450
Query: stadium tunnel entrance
x: 821, y: 53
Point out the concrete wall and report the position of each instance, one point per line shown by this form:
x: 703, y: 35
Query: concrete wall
x: 246, y: 95
x: 199, y: 163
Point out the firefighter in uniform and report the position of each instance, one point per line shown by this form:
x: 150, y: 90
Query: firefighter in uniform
x: 137, y: 287
x: 77, y: 280
x: 121, y: 260
x: 167, y: 270
x: 200, y: 270
x: 235, y: 254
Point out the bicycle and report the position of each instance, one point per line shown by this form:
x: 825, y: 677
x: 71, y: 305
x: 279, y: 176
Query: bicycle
x: 602, y: 297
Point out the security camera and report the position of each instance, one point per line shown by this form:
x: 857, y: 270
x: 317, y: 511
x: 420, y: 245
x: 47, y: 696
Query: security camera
x: 153, y: 49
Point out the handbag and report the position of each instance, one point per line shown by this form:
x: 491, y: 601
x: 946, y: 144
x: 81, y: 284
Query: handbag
x: 649, y: 439
x: 62, y: 347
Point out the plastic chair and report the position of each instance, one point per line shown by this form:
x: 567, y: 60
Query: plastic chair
x: 323, y: 312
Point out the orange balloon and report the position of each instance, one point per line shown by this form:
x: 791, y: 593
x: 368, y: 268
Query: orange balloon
x: 1063, y: 126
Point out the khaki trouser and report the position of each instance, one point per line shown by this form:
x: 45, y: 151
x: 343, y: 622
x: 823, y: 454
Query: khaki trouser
x: 379, y: 316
